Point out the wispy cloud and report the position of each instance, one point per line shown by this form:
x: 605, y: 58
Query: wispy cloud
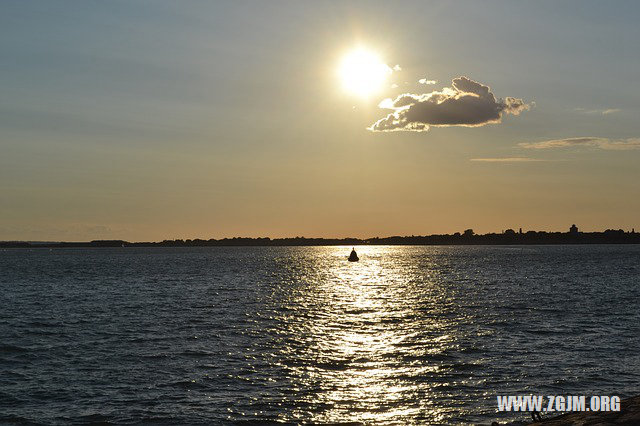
x: 425, y: 81
x: 467, y: 103
x: 587, y: 141
x: 598, y: 111
x: 505, y: 160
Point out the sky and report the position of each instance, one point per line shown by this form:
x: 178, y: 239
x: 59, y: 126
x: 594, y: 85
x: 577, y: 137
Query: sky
x: 154, y: 120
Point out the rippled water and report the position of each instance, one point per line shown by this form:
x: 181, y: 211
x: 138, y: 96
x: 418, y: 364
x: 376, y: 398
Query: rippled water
x: 407, y: 335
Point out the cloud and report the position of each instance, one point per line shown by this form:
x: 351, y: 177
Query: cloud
x: 467, y: 103
x: 598, y: 111
x: 587, y: 141
x: 506, y: 160
x: 425, y: 81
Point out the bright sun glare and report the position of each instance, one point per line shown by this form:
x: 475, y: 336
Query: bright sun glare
x: 362, y: 72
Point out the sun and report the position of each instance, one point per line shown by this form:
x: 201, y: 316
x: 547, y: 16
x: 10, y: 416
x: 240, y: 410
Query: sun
x: 362, y: 72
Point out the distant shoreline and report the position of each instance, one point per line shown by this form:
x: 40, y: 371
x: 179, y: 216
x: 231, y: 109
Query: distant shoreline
x: 508, y: 237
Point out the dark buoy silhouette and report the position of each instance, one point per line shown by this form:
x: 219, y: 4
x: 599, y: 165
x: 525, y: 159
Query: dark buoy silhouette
x: 353, y: 257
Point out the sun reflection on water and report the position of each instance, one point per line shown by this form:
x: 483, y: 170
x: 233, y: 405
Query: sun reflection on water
x: 369, y: 340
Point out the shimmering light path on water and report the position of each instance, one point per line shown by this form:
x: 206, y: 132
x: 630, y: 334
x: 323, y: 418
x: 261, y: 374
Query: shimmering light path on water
x: 406, y: 335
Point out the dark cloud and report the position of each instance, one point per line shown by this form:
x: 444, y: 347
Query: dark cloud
x: 586, y: 141
x: 467, y: 103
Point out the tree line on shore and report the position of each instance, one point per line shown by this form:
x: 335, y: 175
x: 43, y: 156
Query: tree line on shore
x: 468, y: 237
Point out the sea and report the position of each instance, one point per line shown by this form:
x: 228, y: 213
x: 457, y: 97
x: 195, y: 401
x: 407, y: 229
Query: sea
x: 298, y: 335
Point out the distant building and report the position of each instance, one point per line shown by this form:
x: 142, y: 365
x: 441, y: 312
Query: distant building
x: 573, y: 230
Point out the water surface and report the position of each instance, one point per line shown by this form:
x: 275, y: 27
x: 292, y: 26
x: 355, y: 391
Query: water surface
x: 256, y: 334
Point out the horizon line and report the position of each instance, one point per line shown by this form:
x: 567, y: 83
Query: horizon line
x: 508, y: 231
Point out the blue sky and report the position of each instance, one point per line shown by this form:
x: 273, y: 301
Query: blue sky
x: 152, y: 120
